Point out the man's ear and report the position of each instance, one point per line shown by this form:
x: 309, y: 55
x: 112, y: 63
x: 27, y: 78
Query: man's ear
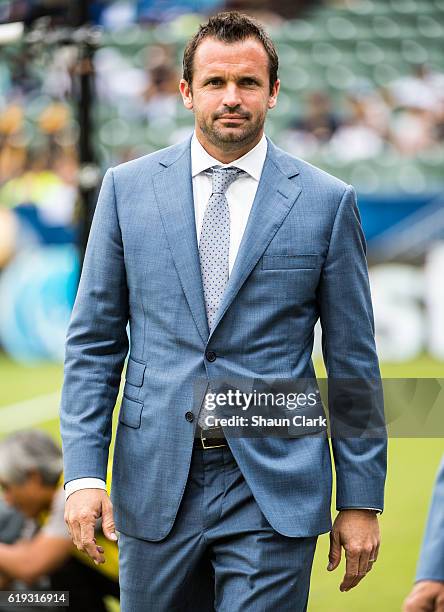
x: 186, y: 93
x: 272, y: 99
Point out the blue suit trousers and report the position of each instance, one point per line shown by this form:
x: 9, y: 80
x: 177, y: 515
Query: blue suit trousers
x: 221, y: 554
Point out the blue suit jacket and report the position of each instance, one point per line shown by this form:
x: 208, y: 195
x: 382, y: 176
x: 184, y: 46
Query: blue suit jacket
x: 431, y: 560
x: 302, y: 257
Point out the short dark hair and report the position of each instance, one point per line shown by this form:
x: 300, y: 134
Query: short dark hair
x: 231, y: 27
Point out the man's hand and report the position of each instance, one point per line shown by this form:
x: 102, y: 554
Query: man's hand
x: 82, y: 509
x: 426, y: 596
x: 358, y: 532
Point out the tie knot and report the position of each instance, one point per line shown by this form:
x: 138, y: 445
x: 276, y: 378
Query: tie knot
x: 223, y: 177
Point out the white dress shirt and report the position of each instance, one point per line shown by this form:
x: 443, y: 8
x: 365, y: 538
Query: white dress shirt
x: 240, y: 196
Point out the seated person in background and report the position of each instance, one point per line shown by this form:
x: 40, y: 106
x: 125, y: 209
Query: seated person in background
x: 11, y: 523
x: 32, y: 482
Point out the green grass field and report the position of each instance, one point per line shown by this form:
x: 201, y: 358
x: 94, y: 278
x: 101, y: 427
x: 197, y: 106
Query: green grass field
x: 30, y: 398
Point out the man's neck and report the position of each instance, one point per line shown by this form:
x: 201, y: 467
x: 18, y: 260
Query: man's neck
x: 226, y: 156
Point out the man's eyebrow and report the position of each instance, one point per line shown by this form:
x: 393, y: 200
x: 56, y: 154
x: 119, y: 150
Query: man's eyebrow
x: 243, y: 77
x: 250, y: 77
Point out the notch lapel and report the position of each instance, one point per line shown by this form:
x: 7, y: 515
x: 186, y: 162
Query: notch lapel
x: 174, y: 193
x: 275, y: 196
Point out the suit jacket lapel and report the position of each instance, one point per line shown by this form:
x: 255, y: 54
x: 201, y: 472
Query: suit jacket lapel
x: 274, y: 199
x: 174, y: 192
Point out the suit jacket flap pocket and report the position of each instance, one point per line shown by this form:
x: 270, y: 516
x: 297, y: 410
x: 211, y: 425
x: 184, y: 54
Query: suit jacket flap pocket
x: 134, y: 372
x: 290, y: 262
x: 131, y: 412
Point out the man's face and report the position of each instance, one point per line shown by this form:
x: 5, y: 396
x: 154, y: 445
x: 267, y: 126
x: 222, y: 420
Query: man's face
x: 26, y: 496
x: 230, y: 92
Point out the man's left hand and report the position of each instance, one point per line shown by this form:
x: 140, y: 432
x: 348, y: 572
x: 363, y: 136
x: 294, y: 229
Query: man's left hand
x: 358, y: 532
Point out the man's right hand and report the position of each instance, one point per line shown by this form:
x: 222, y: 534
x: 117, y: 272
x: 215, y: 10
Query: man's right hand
x: 426, y: 596
x: 82, y: 509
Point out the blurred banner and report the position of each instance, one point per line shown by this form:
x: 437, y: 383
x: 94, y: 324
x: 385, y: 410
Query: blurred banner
x: 362, y: 96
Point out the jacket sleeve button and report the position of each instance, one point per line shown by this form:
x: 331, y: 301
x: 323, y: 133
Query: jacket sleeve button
x: 189, y: 416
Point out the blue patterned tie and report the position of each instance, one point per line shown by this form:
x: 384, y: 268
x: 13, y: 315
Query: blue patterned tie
x: 214, y: 249
x: 214, y: 244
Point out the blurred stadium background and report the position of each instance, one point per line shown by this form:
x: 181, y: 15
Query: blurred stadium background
x: 87, y: 85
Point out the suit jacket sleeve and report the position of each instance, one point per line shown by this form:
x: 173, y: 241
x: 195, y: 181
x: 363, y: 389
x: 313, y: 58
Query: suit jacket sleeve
x: 96, y: 345
x: 431, y: 560
x: 351, y: 361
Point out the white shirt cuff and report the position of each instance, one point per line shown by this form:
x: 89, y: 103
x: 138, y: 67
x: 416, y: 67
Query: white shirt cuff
x: 375, y: 509
x: 83, y: 483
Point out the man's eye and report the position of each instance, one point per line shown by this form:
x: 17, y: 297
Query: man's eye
x: 249, y: 82
x: 214, y: 82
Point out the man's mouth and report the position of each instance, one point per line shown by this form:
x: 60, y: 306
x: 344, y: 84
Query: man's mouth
x: 232, y: 118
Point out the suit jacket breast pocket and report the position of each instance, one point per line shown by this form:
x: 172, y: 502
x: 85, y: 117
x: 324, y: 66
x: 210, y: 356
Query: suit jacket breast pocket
x: 308, y: 261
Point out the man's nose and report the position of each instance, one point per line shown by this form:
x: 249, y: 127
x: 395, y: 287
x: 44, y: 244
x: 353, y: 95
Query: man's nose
x: 232, y: 97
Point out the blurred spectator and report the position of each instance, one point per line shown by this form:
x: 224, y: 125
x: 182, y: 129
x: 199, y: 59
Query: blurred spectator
x: 24, y: 80
x: 359, y: 135
x: 42, y: 199
x: 406, y: 117
x: 417, y: 101
x: 319, y: 120
x: 118, y: 81
x: 162, y: 93
x: 422, y: 89
x: 32, y: 482
x: 371, y: 106
x: 412, y: 130
x: 57, y: 82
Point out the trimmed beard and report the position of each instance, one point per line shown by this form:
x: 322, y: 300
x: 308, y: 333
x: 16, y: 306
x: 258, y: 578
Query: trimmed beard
x: 223, y: 140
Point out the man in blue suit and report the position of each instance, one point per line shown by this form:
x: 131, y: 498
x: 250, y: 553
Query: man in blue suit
x: 221, y: 252
x: 428, y: 593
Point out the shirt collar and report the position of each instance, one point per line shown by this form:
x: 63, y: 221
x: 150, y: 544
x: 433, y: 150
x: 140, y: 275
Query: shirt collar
x: 252, y: 162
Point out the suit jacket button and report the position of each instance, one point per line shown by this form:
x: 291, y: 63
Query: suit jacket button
x: 210, y: 355
x: 189, y: 416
